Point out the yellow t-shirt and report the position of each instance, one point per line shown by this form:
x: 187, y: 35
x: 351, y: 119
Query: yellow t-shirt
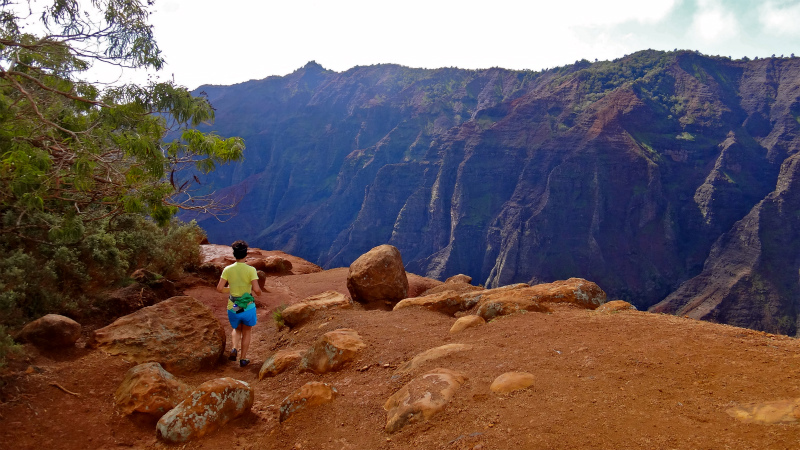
x: 239, y: 277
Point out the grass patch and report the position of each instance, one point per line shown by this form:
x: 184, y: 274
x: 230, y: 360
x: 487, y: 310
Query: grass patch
x: 277, y: 317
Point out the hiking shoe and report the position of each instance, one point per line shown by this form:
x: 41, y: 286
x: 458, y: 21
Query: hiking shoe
x: 232, y: 357
x: 243, y: 362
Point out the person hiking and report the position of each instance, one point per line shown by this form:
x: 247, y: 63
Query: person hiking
x: 241, y: 279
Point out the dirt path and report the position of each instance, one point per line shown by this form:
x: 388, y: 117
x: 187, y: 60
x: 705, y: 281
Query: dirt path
x: 629, y: 380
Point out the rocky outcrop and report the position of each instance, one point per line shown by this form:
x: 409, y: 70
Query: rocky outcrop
x: 181, y: 333
x: 212, y: 405
x: 623, y: 172
x: 51, y: 331
x: 504, y: 301
x: 512, y: 381
x: 421, y: 398
x: 332, y: 351
x: 295, y: 314
x: 149, y: 389
x: 378, y: 277
x: 313, y: 393
x: 447, y: 302
x: 277, y: 265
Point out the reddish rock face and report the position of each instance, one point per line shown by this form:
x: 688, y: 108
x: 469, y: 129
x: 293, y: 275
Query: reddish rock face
x: 51, y: 331
x: 378, y: 276
x: 180, y: 333
x: 211, y: 406
x: 311, y: 394
x: 149, y: 389
x: 508, y: 300
x: 332, y: 351
x: 460, y: 278
x: 277, y: 265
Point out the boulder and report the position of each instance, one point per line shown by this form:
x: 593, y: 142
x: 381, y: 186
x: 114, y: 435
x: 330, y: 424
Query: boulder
x: 332, y: 351
x: 378, y: 276
x: 508, y: 302
x: 149, y: 389
x: 302, y: 311
x: 277, y: 265
x: 280, y: 362
x: 466, y: 322
x: 511, y: 381
x: 768, y: 413
x: 421, y: 398
x: 212, y: 405
x: 181, y: 333
x: 460, y: 278
x: 313, y: 393
x: 615, y: 306
x: 129, y: 299
x: 448, y: 302
x: 51, y: 331
x: 430, y: 355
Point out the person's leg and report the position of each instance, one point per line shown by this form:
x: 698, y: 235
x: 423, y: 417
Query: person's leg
x: 244, y: 333
x: 236, y: 337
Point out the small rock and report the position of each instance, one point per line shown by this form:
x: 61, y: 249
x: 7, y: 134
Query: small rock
x: 149, y: 389
x: 614, y: 306
x: 430, y: 355
x: 511, y: 381
x: 768, y: 413
x: 460, y: 278
x: 212, y: 405
x: 310, y: 394
x: 51, y: 331
x: 332, y: 351
x: 421, y: 398
x: 467, y: 322
x: 279, y: 363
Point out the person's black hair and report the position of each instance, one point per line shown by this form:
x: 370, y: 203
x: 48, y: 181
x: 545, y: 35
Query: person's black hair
x: 239, y: 249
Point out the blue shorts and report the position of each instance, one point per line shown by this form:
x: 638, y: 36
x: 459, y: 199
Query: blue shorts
x: 248, y: 317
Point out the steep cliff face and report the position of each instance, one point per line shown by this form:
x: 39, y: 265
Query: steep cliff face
x: 623, y: 172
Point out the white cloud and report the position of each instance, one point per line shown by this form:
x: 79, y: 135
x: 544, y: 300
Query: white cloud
x: 780, y: 18
x: 713, y: 23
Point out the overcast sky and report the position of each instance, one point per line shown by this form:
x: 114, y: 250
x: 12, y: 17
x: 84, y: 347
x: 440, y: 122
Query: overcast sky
x: 215, y: 42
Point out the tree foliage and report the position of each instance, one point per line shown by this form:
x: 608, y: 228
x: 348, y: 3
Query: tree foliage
x: 81, y: 162
x: 71, y: 152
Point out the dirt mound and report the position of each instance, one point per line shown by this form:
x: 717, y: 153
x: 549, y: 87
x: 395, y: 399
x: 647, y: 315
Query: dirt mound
x: 630, y: 379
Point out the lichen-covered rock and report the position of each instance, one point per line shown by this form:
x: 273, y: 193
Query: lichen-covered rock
x: 181, y: 333
x: 430, y: 355
x: 466, y: 322
x: 615, y: 306
x: 378, y: 276
x: 149, y: 389
x: 212, y: 405
x: 768, y: 413
x: 421, y: 398
x: 51, y: 331
x: 302, y: 311
x: 332, y: 351
x: 280, y: 362
x: 310, y: 394
x: 512, y: 381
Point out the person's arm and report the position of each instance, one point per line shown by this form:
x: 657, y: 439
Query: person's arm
x: 256, y: 287
x: 221, y: 286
